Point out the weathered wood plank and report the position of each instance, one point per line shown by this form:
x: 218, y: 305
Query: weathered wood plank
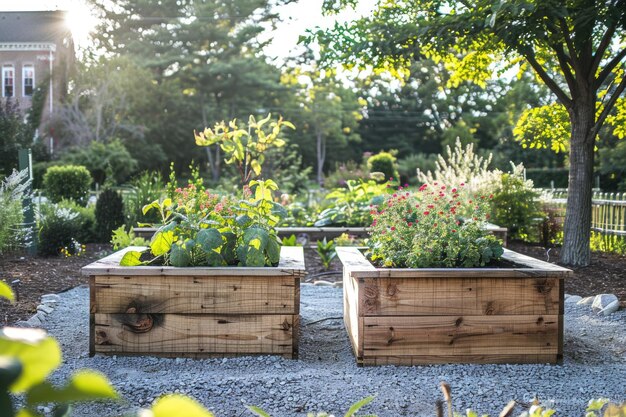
x: 110, y: 265
x: 460, y: 335
x: 528, y: 267
x: 440, y: 359
x: 352, y: 321
x: 173, y: 333
x: 196, y: 294
x: 459, y: 296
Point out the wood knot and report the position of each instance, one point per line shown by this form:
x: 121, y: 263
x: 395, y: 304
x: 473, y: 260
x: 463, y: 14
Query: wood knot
x: 458, y: 322
x: 489, y: 308
x: 286, y: 325
x: 392, y: 289
x: 392, y: 336
x: 543, y: 286
x: 540, y: 321
x: 140, y: 323
x: 102, y: 338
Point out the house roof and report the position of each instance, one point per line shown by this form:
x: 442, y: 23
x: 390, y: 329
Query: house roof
x: 37, y: 26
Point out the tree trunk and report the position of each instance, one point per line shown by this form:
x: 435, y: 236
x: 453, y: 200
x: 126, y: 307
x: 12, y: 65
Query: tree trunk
x: 321, y: 156
x: 577, y: 228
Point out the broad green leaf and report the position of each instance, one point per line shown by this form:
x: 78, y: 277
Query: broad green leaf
x: 256, y: 410
x: 84, y: 385
x: 10, y: 370
x: 273, y: 251
x: 256, y: 234
x: 215, y: 259
x: 178, y: 406
x: 148, y: 207
x: 255, y: 257
x: 256, y: 167
x: 6, y: 291
x: 38, y: 354
x: 131, y: 258
x: 358, y: 405
x: 243, y: 220
x: 179, y: 256
x: 228, y: 250
x: 209, y: 239
x: 161, y: 243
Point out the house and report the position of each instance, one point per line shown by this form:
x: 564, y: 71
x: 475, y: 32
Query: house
x: 36, y: 50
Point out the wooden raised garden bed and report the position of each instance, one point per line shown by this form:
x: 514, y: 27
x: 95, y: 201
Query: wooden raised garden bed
x: 196, y: 311
x: 457, y: 315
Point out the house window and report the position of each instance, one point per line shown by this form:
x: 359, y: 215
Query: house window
x: 8, y: 81
x: 28, y: 77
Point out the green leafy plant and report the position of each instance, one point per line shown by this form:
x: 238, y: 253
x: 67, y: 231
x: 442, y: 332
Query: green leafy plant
x: 346, y: 239
x: 86, y: 220
x: 383, y: 162
x: 290, y: 241
x: 59, y: 229
x: 145, y: 189
x: 244, y: 145
x: 201, y: 228
x: 67, y: 181
x: 515, y: 204
x: 109, y: 213
x: 27, y: 357
x: 121, y: 239
x: 12, y: 191
x: 326, y: 251
x: 351, y: 206
x: 438, y: 226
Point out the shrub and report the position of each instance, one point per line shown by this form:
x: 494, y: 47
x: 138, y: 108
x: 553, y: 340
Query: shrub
x: 58, y: 230
x: 383, y: 162
x: 109, y: 214
x: 515, y: 204
x: 86, y: 220
x: 67, y: 181
x: 327, y: 252
x: 12, y: 190
x: 428, y: 229
x: 100, y: 157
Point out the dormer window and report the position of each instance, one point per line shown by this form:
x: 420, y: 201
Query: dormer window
x: 8, y: 81
x: 28, y: 78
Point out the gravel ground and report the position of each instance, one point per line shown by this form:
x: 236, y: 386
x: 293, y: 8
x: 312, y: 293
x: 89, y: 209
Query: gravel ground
x: 327, y: 378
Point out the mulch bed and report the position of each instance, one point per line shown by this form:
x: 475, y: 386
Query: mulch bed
x: 43, y: 275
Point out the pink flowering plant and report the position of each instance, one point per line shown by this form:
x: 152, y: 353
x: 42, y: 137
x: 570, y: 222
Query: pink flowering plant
x: 439, y: 226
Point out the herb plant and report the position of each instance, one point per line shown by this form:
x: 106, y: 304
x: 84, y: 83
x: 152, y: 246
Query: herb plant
x: 437, y: 227
x: 326, y: 251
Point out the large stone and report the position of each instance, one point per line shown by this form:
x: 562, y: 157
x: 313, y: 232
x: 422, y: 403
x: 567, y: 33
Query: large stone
x: 610, y: 309
x: 46, y: 309
x: 603, y: 301
x: 572, y: 299
x: 586, y: 301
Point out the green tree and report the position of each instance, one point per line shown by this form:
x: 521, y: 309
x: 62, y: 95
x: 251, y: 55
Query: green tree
x: 208, y: 56
x: 327, y: 112
x: 576, y: 48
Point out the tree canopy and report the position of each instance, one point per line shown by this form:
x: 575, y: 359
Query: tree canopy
x: 577, y: 48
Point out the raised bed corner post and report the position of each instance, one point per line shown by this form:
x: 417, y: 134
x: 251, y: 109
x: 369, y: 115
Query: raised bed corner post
x: 25, y: 158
